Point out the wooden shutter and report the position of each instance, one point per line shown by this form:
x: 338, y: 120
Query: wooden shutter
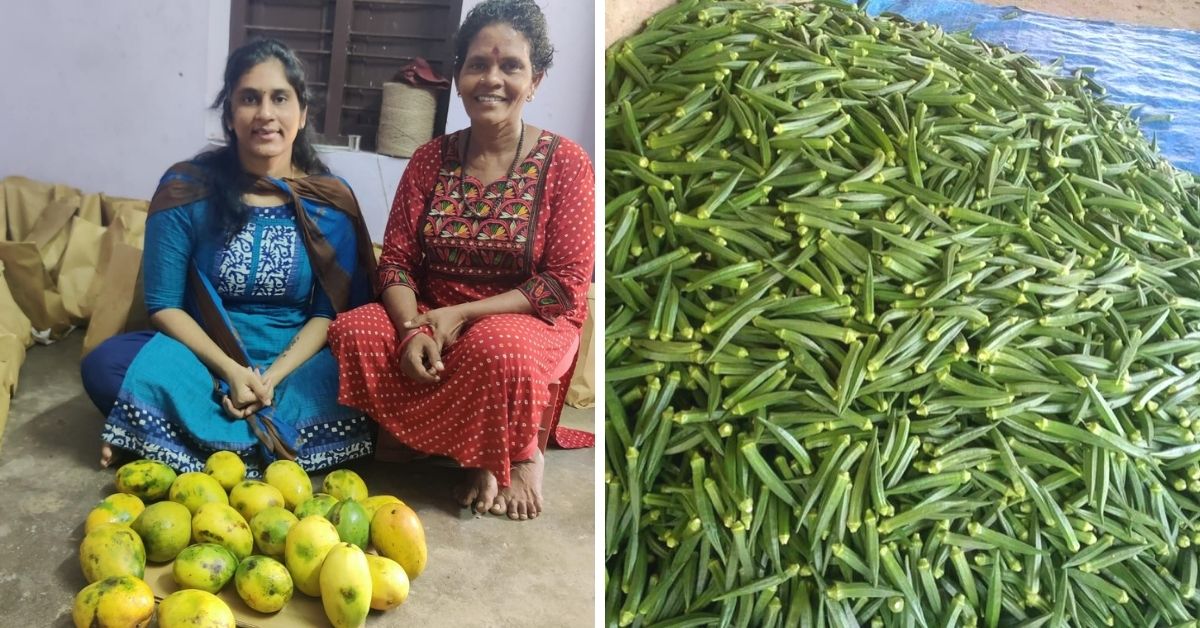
x: 350, y: 48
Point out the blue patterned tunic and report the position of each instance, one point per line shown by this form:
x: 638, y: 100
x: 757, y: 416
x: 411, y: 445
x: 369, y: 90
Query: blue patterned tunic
x: 168, y: 409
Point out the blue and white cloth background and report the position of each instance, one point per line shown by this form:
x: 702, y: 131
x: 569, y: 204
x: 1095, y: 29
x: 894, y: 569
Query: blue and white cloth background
x: 1156, y: 68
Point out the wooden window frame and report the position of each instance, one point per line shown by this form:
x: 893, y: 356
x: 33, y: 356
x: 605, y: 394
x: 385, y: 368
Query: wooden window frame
x: 341, y: 55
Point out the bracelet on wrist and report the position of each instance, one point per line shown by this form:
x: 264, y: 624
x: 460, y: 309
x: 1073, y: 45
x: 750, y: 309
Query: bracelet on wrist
x: 423, y: 329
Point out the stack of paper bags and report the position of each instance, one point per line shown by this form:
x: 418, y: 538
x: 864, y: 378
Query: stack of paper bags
x: 65, y: 255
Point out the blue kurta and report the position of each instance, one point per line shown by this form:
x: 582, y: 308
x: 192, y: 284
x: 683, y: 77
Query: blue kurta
x: 168, y: 408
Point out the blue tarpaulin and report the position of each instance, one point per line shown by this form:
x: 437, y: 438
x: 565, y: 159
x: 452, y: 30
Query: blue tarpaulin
x: 1156, y: 68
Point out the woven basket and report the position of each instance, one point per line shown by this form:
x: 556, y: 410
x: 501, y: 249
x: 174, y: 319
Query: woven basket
x: 405, y: 119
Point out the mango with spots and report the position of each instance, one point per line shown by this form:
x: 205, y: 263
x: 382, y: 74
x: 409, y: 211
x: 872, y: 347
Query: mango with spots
x: 204, y: 566
x: 116, y: 508
x: 165, y: 528
x: 319, y: 504
x: 110, y: 550
x: 291, y: 480
x: 346, y: 586
x: 195, y: 489
x: 304, y: 550
x: 193, y: 608
x: 397, y: 533
x: 263, y: 583
x: 251, y: 497
x: 149, y: 480
x: 350, y: 519
x: 373, y: 503
x: 270, y: 528
x: 221, y: 524
x: 345, y: 484
x: 115, y: 602
x: 226, y: 468
x: 389, y: 583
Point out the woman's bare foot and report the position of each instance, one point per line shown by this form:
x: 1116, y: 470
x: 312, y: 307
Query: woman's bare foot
x: 478, y: 491
x: 522, y: 499
x: 106, y: 455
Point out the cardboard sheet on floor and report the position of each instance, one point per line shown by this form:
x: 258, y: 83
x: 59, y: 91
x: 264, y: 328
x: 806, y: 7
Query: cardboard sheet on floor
x: 302, y: 611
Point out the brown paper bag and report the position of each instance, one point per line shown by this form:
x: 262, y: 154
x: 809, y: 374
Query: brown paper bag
x: 90, y: 209
x: 12, y: 355
x: 31, y: 263
x: 582, y: 393
x: 111, y: 206
x: 50, y: 233
x: 25, y: 200
x: 77, y: 270
x: 33, y: 290
x: 12, y: 319
x: 134, y: 219
x: 119, y: 283
x: 113, y: 234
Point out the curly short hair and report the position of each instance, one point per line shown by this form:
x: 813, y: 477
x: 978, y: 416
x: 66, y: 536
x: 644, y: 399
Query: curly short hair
x: 523, y: 15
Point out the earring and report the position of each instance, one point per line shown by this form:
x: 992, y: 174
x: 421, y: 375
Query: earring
x: 529, y: 98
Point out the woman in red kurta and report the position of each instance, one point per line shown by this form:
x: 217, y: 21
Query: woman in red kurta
x: 487, y: 258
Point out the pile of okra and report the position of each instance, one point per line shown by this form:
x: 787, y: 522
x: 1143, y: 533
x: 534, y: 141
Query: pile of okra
x: 903, y: 329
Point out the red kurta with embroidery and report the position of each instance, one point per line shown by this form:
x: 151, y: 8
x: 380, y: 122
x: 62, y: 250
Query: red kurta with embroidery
x: 533, y: 232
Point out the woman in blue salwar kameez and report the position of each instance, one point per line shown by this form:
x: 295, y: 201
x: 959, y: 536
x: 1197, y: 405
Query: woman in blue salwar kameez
x: 250, y: 251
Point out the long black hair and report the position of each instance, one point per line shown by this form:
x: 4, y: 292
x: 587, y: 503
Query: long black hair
x: 523, y: 15
x: 228, y: 180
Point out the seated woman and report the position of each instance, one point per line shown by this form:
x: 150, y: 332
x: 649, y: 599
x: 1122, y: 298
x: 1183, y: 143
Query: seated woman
x: 486, y: 263
x: 250, y: 251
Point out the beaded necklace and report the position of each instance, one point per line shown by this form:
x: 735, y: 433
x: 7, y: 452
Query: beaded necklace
x: 462, y: 180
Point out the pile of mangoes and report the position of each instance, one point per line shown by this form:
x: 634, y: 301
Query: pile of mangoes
x: 355, y: 551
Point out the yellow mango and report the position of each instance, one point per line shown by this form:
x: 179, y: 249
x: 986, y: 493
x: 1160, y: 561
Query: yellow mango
x: 270, y: 528
x: 226, y: 468
x: 195, y: 489
x: 193, y: 608
x: 165, y: 528
x: 112, y: 550
x: 116, y: 508
x: 350, y: 519
x: 204, y: 566
x: 263, y: 583
x: 318, y: 504
x: 221, y: 524
x: 148, y: 479
x: 304, y: 550
x: 397, y: 533
x: 251, y: 497
x: 291, y: 480
x: 345, y: 484
x: 346, y: 586
x: 372, y: 503
x: 116, y: 602
x: 389, y: 583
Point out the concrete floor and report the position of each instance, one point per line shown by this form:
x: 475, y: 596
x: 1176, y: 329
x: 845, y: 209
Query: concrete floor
x: 482, y: 571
